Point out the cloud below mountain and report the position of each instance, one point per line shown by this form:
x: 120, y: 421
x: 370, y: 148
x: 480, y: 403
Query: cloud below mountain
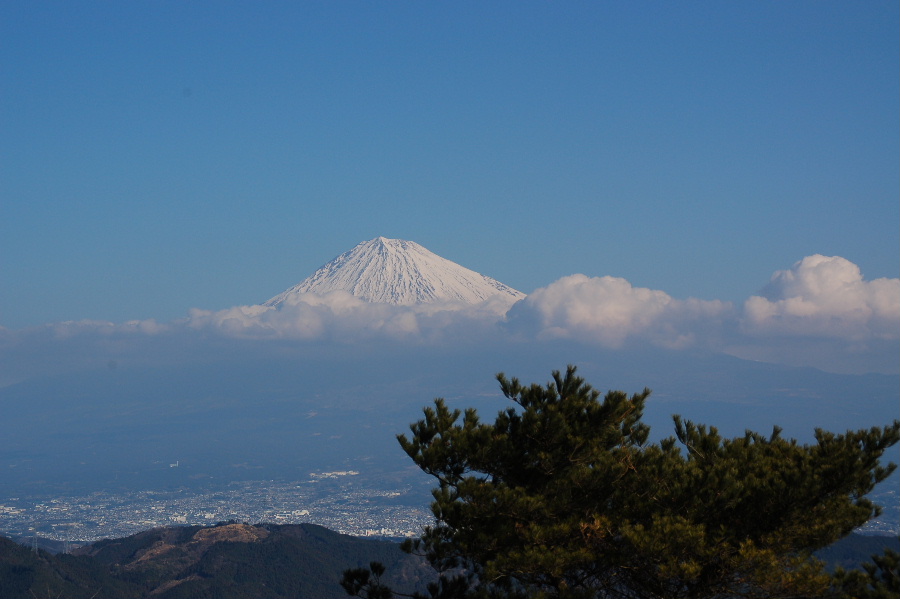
x: 341, y: 317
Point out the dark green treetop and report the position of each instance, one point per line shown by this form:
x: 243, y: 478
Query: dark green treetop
x: 879, y: 579
x: 563, y: 496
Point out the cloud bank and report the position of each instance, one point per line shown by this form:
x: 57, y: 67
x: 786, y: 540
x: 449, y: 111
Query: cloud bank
x: 610, y: 312
x: 821, y: 312
x: 340, y: 317
x: 822, y: 296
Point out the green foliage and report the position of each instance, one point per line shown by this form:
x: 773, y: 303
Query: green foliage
x: 879, y: 579
x: 366, y: 582
x: 562, y: 496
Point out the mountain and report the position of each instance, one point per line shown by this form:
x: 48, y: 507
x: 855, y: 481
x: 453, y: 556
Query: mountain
x: 229, y: 560
x: 232, y: 560
x: 396, y: 271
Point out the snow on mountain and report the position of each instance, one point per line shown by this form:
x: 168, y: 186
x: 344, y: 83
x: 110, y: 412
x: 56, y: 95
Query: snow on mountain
x: 395, y: 271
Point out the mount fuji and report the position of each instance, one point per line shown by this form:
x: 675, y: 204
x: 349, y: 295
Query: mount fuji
x: 399, y: 272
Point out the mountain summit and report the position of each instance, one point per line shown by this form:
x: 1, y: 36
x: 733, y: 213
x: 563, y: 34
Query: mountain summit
x: 395, y: 271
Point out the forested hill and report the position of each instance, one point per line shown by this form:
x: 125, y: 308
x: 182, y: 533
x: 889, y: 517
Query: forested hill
x: 239, y: 560
x: 223, y: 561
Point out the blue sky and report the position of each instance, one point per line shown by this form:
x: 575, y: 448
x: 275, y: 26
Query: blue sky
x: 162, y: 156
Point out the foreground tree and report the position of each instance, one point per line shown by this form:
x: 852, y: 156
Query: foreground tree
x: 879, y: 579
x: 562, y: 496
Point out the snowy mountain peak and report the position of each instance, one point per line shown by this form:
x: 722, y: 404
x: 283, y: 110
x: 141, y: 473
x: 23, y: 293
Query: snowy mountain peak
x: 396, y: 271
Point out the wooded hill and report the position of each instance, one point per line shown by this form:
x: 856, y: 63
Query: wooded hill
x: 224, y: 561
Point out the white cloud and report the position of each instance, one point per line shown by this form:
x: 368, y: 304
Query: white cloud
x: 609, y: 311
x: 825, y: 296
x: 339, y: 316
x: 819, y: 313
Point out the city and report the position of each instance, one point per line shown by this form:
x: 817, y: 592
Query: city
x: 343, y: 501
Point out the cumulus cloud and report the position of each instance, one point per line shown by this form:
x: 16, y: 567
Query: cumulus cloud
x: 609, y: 311
x: 821, y: 313
x: 826, y: 297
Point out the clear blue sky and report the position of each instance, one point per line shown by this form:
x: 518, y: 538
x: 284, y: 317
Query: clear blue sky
x: 158, y: 156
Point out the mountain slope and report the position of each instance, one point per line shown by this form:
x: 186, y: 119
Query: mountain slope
x: 238, y: 560
x: 395, y: 271
x: 224, y: 561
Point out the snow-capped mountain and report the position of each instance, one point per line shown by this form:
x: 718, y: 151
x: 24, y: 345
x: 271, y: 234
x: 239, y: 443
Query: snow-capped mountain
x: 395, y: 271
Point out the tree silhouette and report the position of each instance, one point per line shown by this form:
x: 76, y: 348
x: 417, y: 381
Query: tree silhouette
x: 563, y: 496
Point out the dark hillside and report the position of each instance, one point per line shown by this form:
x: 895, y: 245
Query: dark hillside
x: 227, y: 560
x: 25, y: 574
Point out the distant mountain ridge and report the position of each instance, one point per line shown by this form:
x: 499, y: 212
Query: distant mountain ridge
x: 399, y: 272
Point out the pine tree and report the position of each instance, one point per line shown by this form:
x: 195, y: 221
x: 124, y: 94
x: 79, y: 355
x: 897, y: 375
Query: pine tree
x: 563, y: 496
x: 879, y: 579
